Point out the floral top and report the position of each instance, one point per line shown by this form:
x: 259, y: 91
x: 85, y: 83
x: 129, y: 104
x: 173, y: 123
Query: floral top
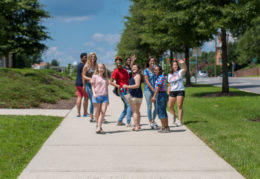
x: 161, y: 81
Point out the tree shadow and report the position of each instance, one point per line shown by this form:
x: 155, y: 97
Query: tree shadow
x: 194, y: 122
x: 220, y: 94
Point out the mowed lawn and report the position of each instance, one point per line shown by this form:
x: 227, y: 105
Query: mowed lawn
x: 20, y: 139
x: 226, y: 125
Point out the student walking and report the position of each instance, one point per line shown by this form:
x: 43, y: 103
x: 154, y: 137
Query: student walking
x: 149, y: 89
x: 87, y: 73
x: 161, y: 98
x: 176, y: 89
x: 100, y: 99
x: 121, y: 77
x: 135, y: 95
x: 79, y: 86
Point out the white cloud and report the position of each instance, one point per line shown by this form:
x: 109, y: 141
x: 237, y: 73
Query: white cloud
x: 54, y: 53
x: 209, y: 46
x: 74, y: 19
x: 107, y: 57
x: 109, y: 38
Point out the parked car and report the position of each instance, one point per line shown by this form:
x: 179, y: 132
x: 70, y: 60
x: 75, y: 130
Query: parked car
x: 202, y: 74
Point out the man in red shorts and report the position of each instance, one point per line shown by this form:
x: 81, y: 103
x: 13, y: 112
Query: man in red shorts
x: 79, y: 86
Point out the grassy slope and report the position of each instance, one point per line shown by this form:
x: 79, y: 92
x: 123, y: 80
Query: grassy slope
x: 25, y: 88
x: 224, y: 123
x: 20, y: 139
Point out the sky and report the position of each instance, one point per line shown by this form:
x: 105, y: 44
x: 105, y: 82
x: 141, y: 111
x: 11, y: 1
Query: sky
x: 86, y: 26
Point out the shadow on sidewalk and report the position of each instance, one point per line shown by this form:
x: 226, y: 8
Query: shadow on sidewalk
x: 118, y: 131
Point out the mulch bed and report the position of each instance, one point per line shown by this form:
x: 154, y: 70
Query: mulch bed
x: 256, y: 120
x: 219, y: 94
x: 62, y: 104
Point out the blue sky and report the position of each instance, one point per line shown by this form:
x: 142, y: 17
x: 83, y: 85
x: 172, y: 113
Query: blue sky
x: 86, y: 26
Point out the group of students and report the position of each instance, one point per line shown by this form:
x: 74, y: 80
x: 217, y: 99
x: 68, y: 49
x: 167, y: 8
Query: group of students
x: 92, y: 83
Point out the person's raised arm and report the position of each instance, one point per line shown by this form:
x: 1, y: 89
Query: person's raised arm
x: 184, y: 66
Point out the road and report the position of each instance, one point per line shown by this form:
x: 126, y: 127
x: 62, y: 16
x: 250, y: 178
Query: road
x: 248, y: 84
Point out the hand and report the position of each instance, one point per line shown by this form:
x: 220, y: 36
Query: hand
x: 153, y: 89
x: 124, y: 86
x: 181, y: 61
x: 84, y: 88
x: 133, y: 58
x: 95, y: 96
x: 153, y: 99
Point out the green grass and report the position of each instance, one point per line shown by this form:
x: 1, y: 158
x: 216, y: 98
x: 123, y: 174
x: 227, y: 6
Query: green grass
x: 20, y: 139
x: 26, y: 88
x: 224, y: 123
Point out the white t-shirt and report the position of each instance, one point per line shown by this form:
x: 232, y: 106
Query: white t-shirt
x: 176, y: 81
x: 100, y: 85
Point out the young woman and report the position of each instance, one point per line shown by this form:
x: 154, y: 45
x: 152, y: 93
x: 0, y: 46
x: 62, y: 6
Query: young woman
x: 135, y: 95
x: 176, y: 89
x: 161, y: 98
x: 87, y: 73
x: 100, y: 100
x: 149, y: 79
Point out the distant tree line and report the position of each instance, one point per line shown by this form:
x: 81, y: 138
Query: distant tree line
x: 154, y: 27
x: 21, y: 31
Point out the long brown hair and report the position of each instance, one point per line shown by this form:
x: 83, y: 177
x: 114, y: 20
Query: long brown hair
x: 172, y: 71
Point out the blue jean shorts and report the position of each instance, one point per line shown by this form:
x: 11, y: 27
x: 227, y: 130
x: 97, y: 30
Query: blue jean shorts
x: 100, y: 99
x: 162, y: 99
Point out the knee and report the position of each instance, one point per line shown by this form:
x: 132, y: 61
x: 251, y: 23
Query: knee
x: 179, y: 107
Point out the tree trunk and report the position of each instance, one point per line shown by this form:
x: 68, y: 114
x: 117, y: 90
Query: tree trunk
x: 14, y: 60
x: 187, y: 55
x: 171, y: 56
x: 7, y: 65
x: 225, y: 86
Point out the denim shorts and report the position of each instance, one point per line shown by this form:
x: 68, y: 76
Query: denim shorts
x: 100, y: 99
x: 162, y: 99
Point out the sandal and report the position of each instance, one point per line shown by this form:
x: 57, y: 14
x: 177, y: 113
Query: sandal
x: 134, y: 129
x: 100, y: 131
x: 92, y: 120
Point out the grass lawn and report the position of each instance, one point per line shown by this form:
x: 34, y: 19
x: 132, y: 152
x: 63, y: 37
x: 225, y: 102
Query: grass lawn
x: 26, y: 88
x: 225, y: 124
x: 20, y: 139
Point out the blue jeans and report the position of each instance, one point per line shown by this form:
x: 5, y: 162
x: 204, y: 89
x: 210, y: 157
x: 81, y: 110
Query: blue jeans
x: 162, y: 99
x: 127, y: 109
x: 148, y: 97
x: 89, y: 92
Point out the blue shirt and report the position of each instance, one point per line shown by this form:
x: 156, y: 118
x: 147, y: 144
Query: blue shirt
x: 79, y: 81
x: 151, y: 79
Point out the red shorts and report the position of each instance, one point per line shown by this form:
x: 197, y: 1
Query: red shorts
x: 81, y: 92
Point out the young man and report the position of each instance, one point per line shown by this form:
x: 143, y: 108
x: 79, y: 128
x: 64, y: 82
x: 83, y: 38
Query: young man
x: 79, y: 86
x: 121, y: 76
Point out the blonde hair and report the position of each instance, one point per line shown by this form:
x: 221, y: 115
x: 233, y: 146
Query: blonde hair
x: 88, y: 63
x: 105, y: 70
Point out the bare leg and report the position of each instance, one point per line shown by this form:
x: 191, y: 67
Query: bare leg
x: 85, y: 106
x: 180, y: 103
x: 138, y: 105
x: 79, y: 104
x: 171, y: 104
x: 103, y: 109
x: 97, y: 107
x: 133, y: 107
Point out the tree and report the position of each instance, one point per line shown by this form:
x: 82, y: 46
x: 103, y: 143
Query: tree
x: 248, y: 46
x: 55, y: 63
x: 22, y: 31
x: 234, y: 16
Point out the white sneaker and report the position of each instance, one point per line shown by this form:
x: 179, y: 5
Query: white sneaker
x: 178, y: 123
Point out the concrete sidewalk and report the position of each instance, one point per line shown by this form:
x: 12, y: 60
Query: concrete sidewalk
x: 44, y: 112
x: 74, y: 150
